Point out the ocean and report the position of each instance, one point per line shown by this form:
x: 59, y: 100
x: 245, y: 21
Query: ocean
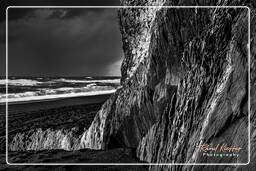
x: 25, y: 89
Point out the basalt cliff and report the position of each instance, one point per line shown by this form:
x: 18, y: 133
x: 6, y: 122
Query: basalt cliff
x: 185, y: 83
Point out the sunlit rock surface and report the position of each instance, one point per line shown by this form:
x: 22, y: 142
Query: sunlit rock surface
x: 210, y: 105
x: 45, y: 140
x: 191, y: 88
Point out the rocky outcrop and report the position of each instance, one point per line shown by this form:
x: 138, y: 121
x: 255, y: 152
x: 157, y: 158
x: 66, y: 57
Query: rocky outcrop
x: 210, y: 105
x: 67, y: 139
x: 132, y: 106
x: 189, y: 85
x: 151, y: 72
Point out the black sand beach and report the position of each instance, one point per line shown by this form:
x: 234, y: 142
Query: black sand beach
x: 116, y: 156
x: 59, y: 113
x: 53, y: 113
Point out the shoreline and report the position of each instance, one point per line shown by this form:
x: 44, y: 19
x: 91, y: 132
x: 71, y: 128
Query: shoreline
x: 56, y: 98
x: 27, y: 106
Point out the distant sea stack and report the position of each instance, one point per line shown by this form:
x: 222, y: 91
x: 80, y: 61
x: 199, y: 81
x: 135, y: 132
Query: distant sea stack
x: 184, y: 84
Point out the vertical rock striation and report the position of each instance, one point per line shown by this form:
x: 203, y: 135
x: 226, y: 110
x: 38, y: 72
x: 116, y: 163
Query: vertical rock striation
x: 48, y: 139
x: 185, y: 83
x: 153, y: 43
x: 210, y: 105
x: 130, y: 112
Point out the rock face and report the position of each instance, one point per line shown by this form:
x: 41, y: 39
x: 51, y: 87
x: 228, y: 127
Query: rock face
x: 151, y: 72
x: 130, y: 112
x: 210, y: 105
x: 67, y: 139
x: 185, y: 84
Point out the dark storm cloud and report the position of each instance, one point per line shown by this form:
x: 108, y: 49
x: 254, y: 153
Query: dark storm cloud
x: 71, y: 13
x: 68, y: 13
x: 24, y: 41
x: 19, y: 14
x: 77, y: 12
x: 85, y: 43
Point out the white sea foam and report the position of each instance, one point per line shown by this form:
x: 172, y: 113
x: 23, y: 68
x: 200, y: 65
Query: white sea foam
x: 29, y: 82
x: 114, y: 81
x: 47, y: 93
x: 19, y: 98
x: 20, y: 82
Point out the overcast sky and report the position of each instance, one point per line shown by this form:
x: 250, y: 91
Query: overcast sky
x: 62, y: 42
